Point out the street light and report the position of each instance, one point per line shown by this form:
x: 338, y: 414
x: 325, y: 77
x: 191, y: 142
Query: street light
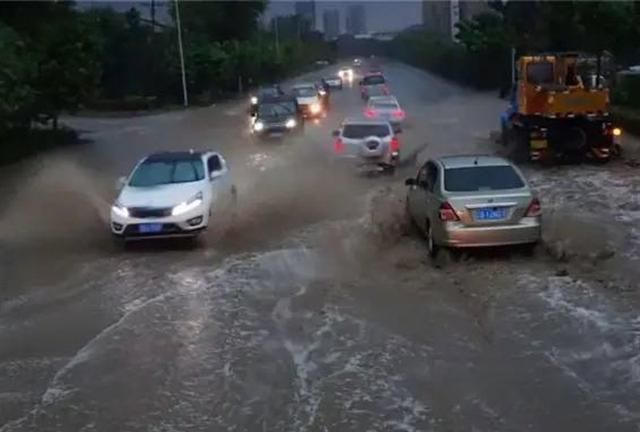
x: 185, y: 98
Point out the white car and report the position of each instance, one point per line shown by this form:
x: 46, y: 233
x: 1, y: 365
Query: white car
x: 172, y: 194
x: 308, y: 98
x: 385, y: 108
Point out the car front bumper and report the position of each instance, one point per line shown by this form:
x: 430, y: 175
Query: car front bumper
x: 455, y: 234
x: 189, y: 224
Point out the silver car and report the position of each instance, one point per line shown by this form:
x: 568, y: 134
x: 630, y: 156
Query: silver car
x: 372, y: 145
x: 470, y: 201
x: 385, y: 108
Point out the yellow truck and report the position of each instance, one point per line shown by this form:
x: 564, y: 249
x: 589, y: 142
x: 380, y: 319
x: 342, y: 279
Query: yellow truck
x: 558, y: 110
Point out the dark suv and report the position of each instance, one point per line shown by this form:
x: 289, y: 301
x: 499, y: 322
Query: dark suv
x: 276, y: 116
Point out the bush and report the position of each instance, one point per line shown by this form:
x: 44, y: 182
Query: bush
x: 627, y: 90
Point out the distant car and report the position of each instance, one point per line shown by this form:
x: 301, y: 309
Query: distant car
x: 373, y: 85
x: 334, y: 82
x: 385, y: 108
x: 346, y: 74
x: 276, y: 116
x: 265, y: 91
x: 322, y: 63
x: 371, y: 145
x: 471, y: 201
x: 357, y: 62
x: 309, y: 100
x: 172, y: 194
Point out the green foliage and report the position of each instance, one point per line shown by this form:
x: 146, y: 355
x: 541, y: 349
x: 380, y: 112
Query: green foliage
x: 627, y: 90
x: 17, y: 68
x: 482, y: 58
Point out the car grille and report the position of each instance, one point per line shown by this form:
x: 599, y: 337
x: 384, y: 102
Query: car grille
x: 149, y: 212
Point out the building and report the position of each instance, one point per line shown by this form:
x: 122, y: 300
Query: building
x: 331, y: 23
x: 307, y: 9
x: 441, y: 16
x: 356, y: 19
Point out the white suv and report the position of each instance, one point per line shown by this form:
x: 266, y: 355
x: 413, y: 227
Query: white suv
x: 370, y: 144
x: 172, y: 194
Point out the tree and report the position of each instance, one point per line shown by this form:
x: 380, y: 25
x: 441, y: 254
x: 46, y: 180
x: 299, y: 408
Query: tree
x: 16, y: 70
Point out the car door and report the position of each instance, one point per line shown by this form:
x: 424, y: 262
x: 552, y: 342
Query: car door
x: 218, y: 175
x: 432, y: 201
x: 417, y: 196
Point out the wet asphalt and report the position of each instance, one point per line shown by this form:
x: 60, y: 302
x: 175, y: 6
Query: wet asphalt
x: 316, y: 307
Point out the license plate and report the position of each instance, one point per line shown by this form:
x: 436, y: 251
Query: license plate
x: 491, y: 214
x: 150, y: 228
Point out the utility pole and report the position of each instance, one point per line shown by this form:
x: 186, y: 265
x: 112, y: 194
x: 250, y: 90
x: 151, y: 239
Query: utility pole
x: 275, y: 26
x: 185, y: 97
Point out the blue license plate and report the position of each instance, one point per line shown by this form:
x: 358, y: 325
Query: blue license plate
x: 150, y: 228
x: 491, y: 214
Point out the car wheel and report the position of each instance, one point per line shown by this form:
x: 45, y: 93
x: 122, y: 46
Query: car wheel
x: 432, y: 247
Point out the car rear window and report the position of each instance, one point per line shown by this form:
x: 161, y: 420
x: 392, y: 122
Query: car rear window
x: 355, y: 131
x: 373, y: 80
x: 305, y: 91
x: 385, y: 105
x: 479, y: 178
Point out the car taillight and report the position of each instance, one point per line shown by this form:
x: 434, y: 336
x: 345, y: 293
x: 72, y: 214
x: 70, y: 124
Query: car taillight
x: 448, y: 213
x: 395, y: 144
x: 370, y: 113
x: 398, y: 113
x: 535, y: 209
x: 338, y: 146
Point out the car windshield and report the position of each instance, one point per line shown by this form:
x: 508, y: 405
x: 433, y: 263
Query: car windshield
x: 268, y: 91
x: 355, y: 131
x: 481, y: 178
x: 162, y: 172
x: 373, y: 80
x: 276, y: 109
x: 305, y: 91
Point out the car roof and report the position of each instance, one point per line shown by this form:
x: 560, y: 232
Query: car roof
x: 465, y: 161
x: 364, y: 121
x: 275, y: 99
x: 173, y: 156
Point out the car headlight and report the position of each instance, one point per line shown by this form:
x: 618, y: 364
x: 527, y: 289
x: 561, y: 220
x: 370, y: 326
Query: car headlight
x: 290, y: 124
x: 120, y: 210
x: 187, y: 206
x: 315, y: 108
x: 321, y: 92
x: 254, y: 100
x: 258, y: 126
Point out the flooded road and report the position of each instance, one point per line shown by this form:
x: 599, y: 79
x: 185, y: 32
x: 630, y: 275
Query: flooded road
x: 317, y: 309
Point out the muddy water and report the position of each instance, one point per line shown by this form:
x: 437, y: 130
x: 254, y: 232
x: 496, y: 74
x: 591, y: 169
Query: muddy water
x: 315, y: 307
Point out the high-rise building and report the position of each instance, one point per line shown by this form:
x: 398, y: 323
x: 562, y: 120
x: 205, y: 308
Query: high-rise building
x: 331, y: 22
x: 356, y: 19
x: 307, y: 9
x: 441, y: 16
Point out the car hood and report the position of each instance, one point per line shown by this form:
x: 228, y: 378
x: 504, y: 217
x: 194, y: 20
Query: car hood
x: 159, y: 196
x: 276, y: 118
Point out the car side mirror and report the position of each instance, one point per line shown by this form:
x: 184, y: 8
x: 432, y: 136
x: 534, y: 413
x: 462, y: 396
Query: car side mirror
x: 397, y: 130
x: 120, y: 183
x: 213, y: 175
x: 410, y: 182
x: 335, y: 133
